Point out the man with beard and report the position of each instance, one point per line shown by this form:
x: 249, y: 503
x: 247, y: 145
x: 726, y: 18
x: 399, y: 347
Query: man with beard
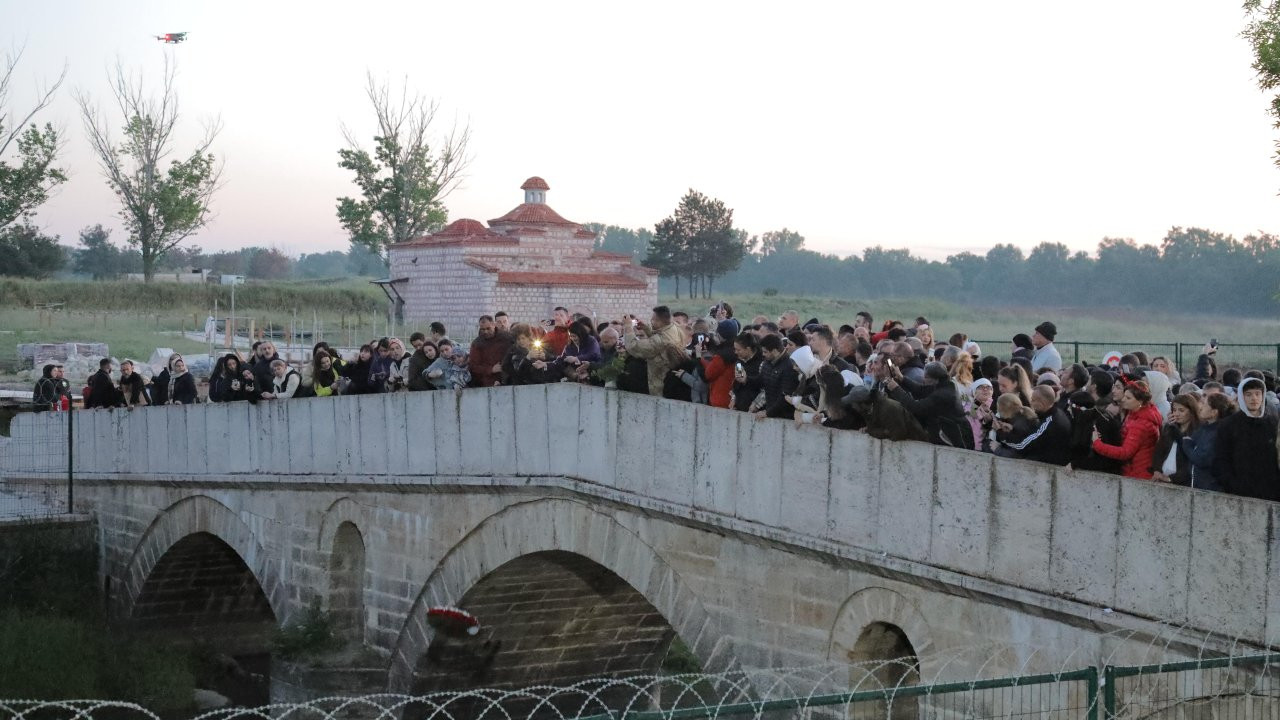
x: 487, y: 352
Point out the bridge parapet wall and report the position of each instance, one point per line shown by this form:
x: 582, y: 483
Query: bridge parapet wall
x: 1205, y: 559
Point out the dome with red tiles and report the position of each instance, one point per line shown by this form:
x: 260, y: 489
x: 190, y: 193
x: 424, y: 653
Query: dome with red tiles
x: 464, y: 228
x: 535, y: 183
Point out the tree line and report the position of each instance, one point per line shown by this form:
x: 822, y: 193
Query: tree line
x: 99, y: 259
x: 1190, y: 270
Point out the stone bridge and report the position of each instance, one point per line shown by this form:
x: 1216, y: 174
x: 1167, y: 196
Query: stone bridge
x: 590, y: 529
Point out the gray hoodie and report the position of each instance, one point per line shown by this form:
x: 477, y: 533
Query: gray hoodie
x: 1240, y: 396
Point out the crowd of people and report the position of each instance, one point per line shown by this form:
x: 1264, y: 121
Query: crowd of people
x: 1131, y: 414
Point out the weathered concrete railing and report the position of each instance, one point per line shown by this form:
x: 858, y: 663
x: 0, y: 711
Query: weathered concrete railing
x: 1148, y: 549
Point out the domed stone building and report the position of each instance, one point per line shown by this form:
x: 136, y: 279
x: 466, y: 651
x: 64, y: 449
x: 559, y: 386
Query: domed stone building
x: 526, y: 262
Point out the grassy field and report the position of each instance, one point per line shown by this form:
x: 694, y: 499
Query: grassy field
x: 1098, y: 330
x: 134, y: 319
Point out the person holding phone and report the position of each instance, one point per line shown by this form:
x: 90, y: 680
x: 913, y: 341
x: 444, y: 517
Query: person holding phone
x: 746, y: 372
x: 719, y: 364
x: 1207, y: 364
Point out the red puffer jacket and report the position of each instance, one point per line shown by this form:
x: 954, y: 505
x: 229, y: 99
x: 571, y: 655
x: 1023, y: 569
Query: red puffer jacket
x: 1139, y: 435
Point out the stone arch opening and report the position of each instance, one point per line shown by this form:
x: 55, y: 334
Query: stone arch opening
x: 883, y: 657
x: 549, y: 617
x: 346, y: 583
x: 201, y: 585
x: 549, y: 525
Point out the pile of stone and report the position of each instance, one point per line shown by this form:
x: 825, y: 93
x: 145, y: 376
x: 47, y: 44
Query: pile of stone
x: 37, y: 355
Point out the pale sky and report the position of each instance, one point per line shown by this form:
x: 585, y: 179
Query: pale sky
x: 938, y: 126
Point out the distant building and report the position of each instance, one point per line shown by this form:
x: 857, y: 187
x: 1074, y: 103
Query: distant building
x: 526, y: 262
x: 191, y: 276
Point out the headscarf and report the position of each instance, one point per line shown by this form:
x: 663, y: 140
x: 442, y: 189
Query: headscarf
x: 172, y: 372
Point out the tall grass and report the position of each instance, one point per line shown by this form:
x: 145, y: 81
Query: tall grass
x: 333, y: 296
x: 55, y: 641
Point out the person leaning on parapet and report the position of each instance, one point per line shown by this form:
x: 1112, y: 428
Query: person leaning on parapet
x: 487, y: 352
x: 661, y: 348
x: 557, y: 332
x: 132, y: 389
x: 260, y: 363
x: 49, y: 389
x: 102, y: 389
x: 1245, y: 460
x: 779, y: 379
x: 284, y: 381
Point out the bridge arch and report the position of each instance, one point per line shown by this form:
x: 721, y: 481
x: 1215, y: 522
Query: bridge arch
x: 201, y: 515
x: 883, y: 636
x: 566, y: 532
x: 342, y: 544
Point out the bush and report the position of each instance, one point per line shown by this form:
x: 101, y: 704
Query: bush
x: 309, y: 635
x: 770, y: 292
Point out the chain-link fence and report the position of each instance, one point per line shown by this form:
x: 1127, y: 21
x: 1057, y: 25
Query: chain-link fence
x: 1260, y: 356
x: 35, y: 463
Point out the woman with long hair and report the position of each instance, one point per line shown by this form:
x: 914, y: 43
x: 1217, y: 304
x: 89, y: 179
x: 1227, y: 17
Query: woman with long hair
x: 1170, y: 463
x: 1138, y: 433
x: 1014, y: 379
x: 1162, y: 364
x: 358, y: 371
x: 217, y: 380
x: 1201, y: 447
x: 324, y: 378
x: 961, y: 373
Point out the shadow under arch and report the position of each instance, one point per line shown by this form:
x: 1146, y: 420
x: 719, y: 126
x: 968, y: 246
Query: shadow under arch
x: 201, y: 514
x: 558, y: 528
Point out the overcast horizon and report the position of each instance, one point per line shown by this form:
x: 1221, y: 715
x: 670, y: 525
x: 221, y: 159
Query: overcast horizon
x: 939, y: 127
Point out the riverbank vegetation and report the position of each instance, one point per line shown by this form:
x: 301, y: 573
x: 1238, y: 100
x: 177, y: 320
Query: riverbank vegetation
x: 55, y: 641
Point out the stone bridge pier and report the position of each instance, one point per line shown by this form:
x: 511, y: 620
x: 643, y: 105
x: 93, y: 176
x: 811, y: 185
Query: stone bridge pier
x: 593, y: 531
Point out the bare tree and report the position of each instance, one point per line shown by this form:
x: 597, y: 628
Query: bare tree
x: 404, y: 183
x: 160, y: 207
x: 26, y: 186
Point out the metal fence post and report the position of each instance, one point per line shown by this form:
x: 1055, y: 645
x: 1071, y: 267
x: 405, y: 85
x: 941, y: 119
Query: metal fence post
x: 1091, y: 689
x: 1278, y: 357
x: 1076, y: 346
x: 1108, y: 693
x: 1178, y: 357
x: 71, y: 459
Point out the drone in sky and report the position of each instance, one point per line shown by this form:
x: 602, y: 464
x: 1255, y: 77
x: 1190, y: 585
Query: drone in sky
x: 172, y: 38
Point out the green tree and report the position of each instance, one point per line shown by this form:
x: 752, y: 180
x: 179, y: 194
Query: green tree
x: 29, y: 253
x: 98, y: 259
x: 404, y: 183
x: 783, y: 240
x: 314, y: 266
x: 269, y: 264
x: 611, y: 238
x: 25, y: 185
x: 697, y: 242
x: 160, y: 207
x: 1263, y: 33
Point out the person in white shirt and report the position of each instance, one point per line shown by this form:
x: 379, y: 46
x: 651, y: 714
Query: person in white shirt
x: 1046, y: 356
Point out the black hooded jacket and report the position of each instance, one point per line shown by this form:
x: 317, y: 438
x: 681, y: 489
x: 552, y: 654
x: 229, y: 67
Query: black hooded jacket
x: 940, y: 413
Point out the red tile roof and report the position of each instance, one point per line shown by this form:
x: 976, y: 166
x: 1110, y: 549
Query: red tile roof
x: 536, y: 213
x: 464, y: 231
x: 612, y: 255
x: 535, y: 183
x: 464, y: 228
x: 560, y: 278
